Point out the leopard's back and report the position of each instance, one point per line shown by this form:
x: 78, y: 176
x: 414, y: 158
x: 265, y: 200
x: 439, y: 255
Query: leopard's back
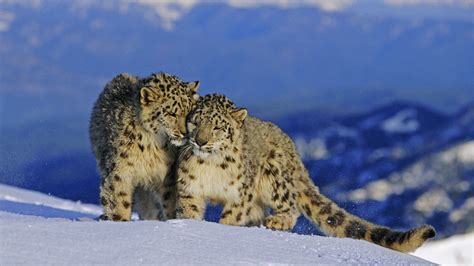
x: 113, y: 112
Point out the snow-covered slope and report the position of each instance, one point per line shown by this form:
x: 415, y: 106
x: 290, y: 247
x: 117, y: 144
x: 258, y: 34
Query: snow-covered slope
x: 457, y: 250
x: 39, y: 229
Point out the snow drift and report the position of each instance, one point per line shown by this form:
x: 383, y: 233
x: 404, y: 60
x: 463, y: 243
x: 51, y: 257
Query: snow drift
x: 40, y: 229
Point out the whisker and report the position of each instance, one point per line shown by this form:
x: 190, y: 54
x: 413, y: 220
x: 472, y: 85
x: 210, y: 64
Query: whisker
x: 185, y: 152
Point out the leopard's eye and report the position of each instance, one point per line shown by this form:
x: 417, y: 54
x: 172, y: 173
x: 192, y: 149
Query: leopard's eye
x: 170, y: 114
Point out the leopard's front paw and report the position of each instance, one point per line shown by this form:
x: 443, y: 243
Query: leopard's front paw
x: 278, y: 223
x: 180, y: 213
x: 112, y: 217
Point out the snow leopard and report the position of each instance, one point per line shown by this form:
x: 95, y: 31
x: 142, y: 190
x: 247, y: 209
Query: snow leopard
x: 135, y: 127
x: 251, y: 166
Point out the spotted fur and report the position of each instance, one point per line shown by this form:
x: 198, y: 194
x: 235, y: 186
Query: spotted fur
x: 249, y: 165
x: 135, y: 127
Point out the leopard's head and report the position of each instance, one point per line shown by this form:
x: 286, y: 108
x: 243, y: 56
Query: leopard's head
x: 165, y: 102
x: 214, y: 125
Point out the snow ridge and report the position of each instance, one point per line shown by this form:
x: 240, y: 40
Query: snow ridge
x: 49, y: 234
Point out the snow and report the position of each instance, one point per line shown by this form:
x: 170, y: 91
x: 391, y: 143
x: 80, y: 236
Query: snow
x: 429, y: 169
x: 12, y: 196
x: 39, y: 229
x: 314, y: 149
x: 464, y: 153
x: 457, y: 250
x: 463, y: 211
x: 402, y: 122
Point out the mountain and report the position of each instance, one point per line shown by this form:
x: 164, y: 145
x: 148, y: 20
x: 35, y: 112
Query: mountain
x: 386, y: 176
x: 436, y: 189
x: 367, y: 90
x: 38, y: 229
x: 57, y: 56
x: 401, y: 164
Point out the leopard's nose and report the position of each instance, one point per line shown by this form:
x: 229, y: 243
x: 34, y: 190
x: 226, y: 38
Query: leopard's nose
x: 202, y: 136
x: 201, y: 142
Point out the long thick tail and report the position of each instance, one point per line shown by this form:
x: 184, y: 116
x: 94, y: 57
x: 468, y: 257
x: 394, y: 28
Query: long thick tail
x: 335, y: 221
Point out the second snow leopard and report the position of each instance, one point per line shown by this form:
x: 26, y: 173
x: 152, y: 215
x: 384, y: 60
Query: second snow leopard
x: 134, y: 129
x: 249, y: 165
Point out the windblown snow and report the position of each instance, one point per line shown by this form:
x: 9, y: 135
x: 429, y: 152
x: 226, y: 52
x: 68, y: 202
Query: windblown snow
x: 40, y: 229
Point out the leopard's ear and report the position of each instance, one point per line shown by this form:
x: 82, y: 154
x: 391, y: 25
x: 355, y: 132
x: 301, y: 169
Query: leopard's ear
x: 239, y: 115
x: 194, y: 85
x: 147, y: 96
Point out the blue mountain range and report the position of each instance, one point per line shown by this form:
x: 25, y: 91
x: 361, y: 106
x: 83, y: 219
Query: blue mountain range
x: 379, y: 103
